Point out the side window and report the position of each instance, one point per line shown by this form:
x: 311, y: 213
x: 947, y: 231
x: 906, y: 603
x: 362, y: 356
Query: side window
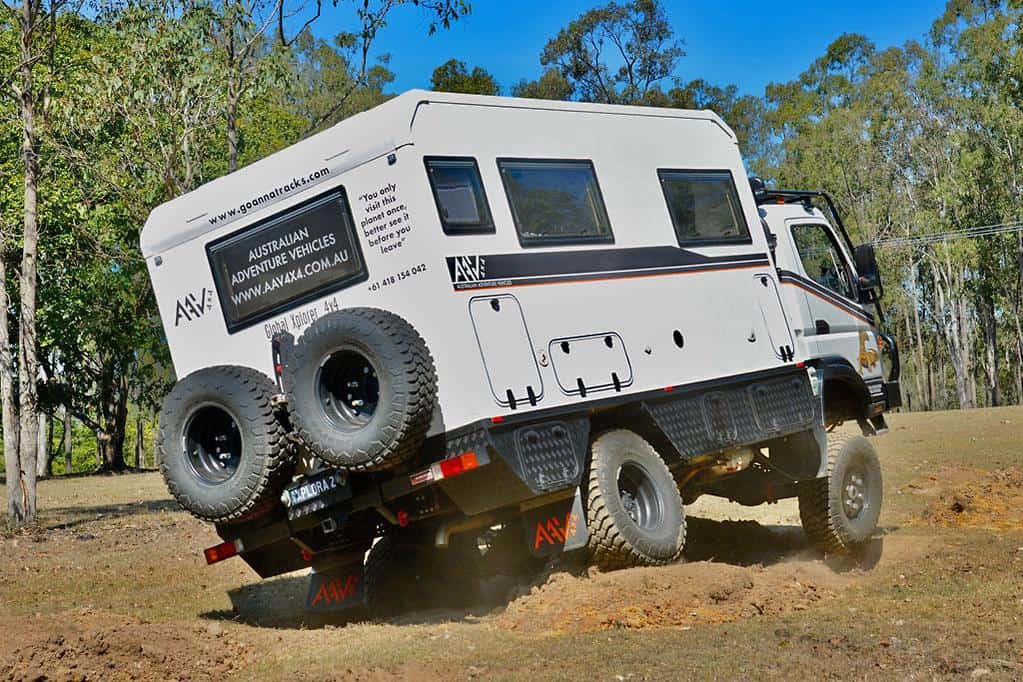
x: 555, y: 202
x: 821, y: 258
x: 704, y: 207
x: 458, y: 192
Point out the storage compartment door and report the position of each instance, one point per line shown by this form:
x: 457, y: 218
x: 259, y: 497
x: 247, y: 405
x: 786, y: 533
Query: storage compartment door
x: 592, y: 363
x: 507, y: 350
x: 772, y: 314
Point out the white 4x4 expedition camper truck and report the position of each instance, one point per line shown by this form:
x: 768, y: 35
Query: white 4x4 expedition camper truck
x: 453, y: 321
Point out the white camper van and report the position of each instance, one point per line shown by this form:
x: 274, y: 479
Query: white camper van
x: 454, y: 320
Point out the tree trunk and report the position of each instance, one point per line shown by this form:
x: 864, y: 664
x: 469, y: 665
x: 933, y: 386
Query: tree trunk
x: 12, y: 461
x: 232, y: 127
x: 139, y: 451
x: 233, y: 82
x: 69, y: 442
x: 990, y: 321
x: 28, y: 363
x: 43, y: 446
x: 927, y: 400
x: 918, y: 370
x: 111, y: 451
x: 110, y: 439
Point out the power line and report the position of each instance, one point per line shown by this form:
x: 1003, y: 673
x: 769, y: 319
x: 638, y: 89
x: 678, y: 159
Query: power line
x: 951, y: 235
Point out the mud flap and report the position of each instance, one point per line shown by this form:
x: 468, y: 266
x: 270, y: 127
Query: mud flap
x: 556, y: 528
x: 336, y: 586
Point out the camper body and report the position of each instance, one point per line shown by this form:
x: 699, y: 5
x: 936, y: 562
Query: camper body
x: 482, y: 315
x: 633, y: 281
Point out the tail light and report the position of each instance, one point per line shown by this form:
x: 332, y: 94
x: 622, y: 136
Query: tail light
x: 225, y: 550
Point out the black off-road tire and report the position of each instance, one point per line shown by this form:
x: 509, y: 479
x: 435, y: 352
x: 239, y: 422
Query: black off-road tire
x: 405, y: 572
x: 406, y: 388
x: 617, y: 539
x: 264, y: 459
x: 829, y: 524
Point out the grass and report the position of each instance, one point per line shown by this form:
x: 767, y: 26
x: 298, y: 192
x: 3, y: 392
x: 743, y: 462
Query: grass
x: 941, y: 603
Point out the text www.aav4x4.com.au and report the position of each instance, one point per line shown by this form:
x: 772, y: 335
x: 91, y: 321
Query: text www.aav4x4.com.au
x: 276, y: 193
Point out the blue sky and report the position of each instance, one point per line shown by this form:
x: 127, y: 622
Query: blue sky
x: 746, y: 43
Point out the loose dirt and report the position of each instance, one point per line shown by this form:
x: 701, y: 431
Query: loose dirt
x: 671, y: 596
x: 973, y: 498
x: 90, y: 645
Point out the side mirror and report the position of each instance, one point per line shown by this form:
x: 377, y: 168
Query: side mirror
x: 867, y: 270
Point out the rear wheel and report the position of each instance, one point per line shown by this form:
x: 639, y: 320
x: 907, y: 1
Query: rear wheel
x: 634, y: 511
x: 223, y: 452
x: 839, y: 513
x: 405, y: 572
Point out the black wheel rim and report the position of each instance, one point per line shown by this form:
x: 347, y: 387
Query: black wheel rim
x: 855, y: 490
x: 348, y: 389
x: 639, y: 496
x: 212, y: 444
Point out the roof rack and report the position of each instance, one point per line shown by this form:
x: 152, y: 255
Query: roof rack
x: 807, y: 197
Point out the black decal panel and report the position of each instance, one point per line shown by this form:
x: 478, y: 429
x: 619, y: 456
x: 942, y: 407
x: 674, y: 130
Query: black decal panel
x: 520, y: 269
x: 279, y: 263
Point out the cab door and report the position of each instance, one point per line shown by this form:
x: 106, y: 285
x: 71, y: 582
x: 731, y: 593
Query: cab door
x: 839, y: 325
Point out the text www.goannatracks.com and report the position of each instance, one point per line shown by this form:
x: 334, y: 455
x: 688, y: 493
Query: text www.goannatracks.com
x: 272, y: 195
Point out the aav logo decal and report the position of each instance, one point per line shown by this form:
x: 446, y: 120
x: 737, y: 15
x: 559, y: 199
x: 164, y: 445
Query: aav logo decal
x: 467, y: 268
x: 192, y: 306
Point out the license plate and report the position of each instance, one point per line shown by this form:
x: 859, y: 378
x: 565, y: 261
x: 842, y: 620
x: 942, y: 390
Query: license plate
x: 319, y: 485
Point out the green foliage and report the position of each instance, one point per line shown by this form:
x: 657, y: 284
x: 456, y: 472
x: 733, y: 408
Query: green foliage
x: 454, y: 76
x: 618, y: 53
x: 153, y: 98
x: 551, y: 85
x: 921, y: 140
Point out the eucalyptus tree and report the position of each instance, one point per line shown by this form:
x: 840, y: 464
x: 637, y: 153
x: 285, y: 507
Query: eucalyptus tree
x: 551, y: 84
x: 34, y: 63
x: 618, y: 53
x: 454, y: 76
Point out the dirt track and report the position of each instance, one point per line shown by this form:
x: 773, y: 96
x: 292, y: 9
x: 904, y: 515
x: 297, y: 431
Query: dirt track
x: 114, y: 588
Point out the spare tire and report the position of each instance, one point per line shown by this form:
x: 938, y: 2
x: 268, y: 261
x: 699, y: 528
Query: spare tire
x: 223, y: 452
x: 361, y: 389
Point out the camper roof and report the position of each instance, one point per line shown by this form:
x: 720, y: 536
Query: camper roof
x: 328, y: 154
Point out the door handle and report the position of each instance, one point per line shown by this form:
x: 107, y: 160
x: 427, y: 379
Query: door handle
x: 822, y: 326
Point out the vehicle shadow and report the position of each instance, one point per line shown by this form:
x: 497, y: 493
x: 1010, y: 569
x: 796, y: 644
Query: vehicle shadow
x: 280, y: 602
x: 748, y: 543
x: 65, y: 518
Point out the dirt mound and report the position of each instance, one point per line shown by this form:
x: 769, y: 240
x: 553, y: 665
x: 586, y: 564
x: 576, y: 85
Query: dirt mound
x: 88, y: 645
x: 670, y: 596
x: 977, y: 499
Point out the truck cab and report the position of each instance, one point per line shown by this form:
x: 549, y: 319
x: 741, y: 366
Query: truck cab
x: 831, y: 292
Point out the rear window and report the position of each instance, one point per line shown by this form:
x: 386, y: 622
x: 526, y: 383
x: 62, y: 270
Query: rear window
x: 286, y: 260
x: 704, y: 207
x: 458, y: 191
x: 555, y: 202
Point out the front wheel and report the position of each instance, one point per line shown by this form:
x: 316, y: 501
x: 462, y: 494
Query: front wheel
x: 840, y: 512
